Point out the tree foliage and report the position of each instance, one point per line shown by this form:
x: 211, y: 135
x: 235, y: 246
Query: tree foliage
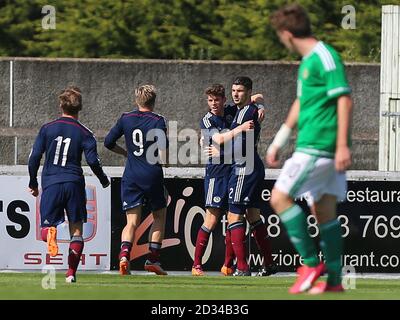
x: 179, y: 29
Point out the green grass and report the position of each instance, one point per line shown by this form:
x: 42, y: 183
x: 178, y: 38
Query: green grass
x: 139, y: 287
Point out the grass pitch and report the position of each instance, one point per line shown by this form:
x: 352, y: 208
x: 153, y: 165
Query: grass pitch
x: 140, y: 287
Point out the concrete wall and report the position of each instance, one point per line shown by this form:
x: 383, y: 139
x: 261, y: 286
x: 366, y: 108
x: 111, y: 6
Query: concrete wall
x: 6, y: 143
x: 107, y: 87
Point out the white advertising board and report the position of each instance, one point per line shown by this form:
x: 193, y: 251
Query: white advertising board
x: 21, y: 246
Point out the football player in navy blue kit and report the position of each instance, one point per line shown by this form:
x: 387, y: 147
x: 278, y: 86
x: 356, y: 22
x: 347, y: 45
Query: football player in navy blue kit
x: 214, y: 126
x: 63, y: 184
x: 143, y: 179
x: 245, y: 182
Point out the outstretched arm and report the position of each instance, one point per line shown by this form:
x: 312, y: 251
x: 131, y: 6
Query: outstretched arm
x: 221, y: 138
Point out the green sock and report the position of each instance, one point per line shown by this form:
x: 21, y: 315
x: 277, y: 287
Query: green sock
x: 296, y: 226
x: 332, y: 248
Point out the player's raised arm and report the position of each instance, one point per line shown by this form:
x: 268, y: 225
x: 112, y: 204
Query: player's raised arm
x: 258, y: 99
x: 344, y: 112
x: 283, y: 135
x: 93, y: 160
x: 34, y: 162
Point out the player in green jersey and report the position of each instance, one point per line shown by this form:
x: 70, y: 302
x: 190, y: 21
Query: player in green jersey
x: 322, y: 112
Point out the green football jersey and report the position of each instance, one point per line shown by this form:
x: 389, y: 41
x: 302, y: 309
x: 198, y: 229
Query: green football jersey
x: 321, y: 80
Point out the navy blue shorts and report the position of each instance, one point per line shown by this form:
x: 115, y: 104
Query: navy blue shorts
x: 154, y: 196
x: 245, y: 189
x: 68, y: 196
x: 216, y: 192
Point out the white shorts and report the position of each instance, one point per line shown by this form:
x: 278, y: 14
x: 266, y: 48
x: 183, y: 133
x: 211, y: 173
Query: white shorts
x: 311, y: 177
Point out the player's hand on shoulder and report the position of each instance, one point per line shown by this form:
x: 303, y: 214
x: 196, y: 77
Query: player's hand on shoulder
x: 261, y: 115
x: 342, y: 158
x: 257, y: 98
x: 272, y: 157
x: 33, y: 191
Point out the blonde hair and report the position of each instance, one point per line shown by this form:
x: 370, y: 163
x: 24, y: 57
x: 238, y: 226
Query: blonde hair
x: 145, y: 95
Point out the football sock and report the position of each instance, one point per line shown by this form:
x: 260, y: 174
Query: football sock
x: 201, y: 244
x: 126, y: 248
x: 155, y: 248
x: 43, y: 233
x: 238, y: 240
x: 296, y: 226
x: 260, y: 235
x: 332, y: 247
x: 74, y: 256
x: 229, y: 253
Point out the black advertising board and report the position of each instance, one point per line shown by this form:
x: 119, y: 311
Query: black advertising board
x: 370, y: 221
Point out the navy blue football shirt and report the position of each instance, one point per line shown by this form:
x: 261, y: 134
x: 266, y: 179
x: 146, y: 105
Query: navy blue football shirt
x: 63, y: 141
x: 212, y: 124
x: 145, y: 135
x: 246, y: 139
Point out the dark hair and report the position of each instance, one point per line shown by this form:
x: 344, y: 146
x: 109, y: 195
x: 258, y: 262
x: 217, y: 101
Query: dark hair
x: 244, y: 81
x: 294, y: 19
x: 217, y: 90
x: 70, y: 100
